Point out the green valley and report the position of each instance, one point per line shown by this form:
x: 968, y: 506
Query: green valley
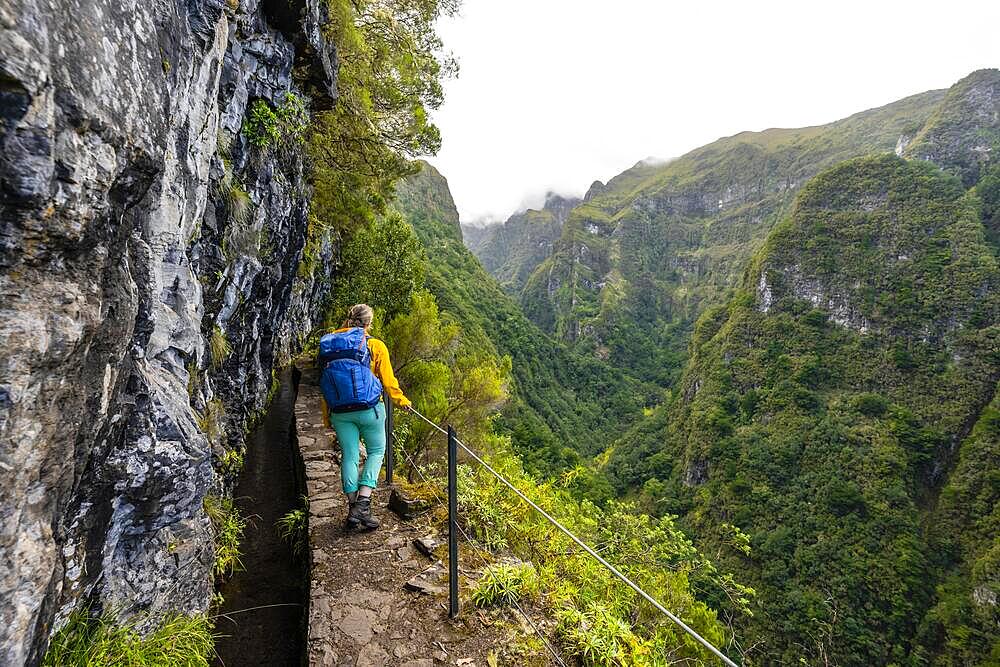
x: 821, y: 308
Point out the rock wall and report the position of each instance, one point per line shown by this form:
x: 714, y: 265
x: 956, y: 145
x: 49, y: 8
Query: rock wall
x: 116, y: 268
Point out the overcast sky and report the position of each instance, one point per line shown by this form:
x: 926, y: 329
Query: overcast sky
x: 554, y: 94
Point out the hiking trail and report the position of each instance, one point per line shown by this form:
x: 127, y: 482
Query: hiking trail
x: 361, y: 613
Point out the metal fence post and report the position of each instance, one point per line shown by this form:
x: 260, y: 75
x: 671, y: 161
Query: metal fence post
x: 390, y: 456
x: 452, y: 523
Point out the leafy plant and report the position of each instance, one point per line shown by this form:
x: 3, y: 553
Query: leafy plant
x: 503, y: 584
x: 266, y: 127
x: 231, y: 461
x: 600, y: 638
x: 293, y: 527
x: 84, y: 641
x: 228, y: 525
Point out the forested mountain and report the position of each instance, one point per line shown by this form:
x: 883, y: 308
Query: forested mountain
x: 824, y: 306
x: 840, y: 407
x: 513, y: 250
x: 637, y: 263
x: 563, y: 404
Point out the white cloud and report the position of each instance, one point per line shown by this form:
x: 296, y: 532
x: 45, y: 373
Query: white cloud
x: 554, y: 94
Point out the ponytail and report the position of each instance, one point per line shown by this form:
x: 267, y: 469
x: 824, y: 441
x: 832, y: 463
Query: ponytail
x: 359, y: 315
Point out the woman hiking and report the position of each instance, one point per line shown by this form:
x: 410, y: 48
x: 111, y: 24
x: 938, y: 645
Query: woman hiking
x: 356, y: 370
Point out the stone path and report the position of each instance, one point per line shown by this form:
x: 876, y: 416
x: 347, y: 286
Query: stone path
x: 360, y: 612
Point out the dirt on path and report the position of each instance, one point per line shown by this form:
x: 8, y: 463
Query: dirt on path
x: 361, y: 613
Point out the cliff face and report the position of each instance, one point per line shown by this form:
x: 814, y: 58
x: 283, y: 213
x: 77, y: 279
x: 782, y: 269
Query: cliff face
x: 514, y: 249
x: 122, y: 154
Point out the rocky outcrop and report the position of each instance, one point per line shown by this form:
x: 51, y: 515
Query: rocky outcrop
x: 121, y: 149
x: 963, y: 135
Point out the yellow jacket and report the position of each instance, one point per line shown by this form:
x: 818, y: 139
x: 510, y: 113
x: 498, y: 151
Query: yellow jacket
x: 382, y: 368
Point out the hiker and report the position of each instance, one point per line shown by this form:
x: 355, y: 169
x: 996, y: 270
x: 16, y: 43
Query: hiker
x: 356, y: 369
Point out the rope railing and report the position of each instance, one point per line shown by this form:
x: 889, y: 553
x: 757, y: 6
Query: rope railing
x: 611, y: 568
x: 470, y: 541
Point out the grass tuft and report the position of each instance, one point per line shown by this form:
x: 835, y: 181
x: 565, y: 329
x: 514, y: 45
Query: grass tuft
x: 503, y: 584
x: 294, y: 528
x: 212, y: 421
x: 240, y: 205
x: 85, y: 641
x: 218, y: 347
x: 229, y: 525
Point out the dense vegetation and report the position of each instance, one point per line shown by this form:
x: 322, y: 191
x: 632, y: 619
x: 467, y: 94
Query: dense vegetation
x: 820, y: 410
x: 829, y: 349
x: 447, y: 359
x: 563, y: 405
x: 640, y: 261
x: 457, y: 373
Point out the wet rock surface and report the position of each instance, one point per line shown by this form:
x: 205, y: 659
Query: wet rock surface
x: 360, y: 611
x: 117, y: 128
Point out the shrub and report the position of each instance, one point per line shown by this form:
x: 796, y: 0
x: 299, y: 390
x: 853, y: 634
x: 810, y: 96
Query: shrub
x: 265, y: 127
x: 503, y: 584
x: 871, y: 405
x: 228, y: 524
x: 599, y: 637
x: 177, y: 640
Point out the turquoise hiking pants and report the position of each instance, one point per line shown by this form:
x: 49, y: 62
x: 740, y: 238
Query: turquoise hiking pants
x: 351, y: 427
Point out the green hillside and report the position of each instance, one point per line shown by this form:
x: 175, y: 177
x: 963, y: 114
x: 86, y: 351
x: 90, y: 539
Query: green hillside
x: 513, y: 250
x: 821, y: 411
x: 563, y: 404
x: 637, y: 264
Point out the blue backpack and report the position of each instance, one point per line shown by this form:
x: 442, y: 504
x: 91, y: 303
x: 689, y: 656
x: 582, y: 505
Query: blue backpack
x: 348, y: 383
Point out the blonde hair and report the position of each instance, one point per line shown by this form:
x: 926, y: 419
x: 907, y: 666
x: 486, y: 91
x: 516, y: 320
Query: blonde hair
x: 359, y: 315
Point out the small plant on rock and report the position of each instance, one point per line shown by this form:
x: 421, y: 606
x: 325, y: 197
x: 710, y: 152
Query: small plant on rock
x: 219, y: 348
x: 212, y: 421
x: 228, y: 524
x: 232, y: 461
x: 294, y: 529
x: 267, y: 127
x: 239, y: 204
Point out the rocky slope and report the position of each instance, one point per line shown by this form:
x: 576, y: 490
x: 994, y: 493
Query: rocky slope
x: 139, y: 230
x: 476, y: 236
x: 512, y: 251
x: 641, y: 259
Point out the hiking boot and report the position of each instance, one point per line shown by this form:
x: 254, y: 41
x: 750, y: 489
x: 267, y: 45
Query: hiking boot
x: 361, y: 514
